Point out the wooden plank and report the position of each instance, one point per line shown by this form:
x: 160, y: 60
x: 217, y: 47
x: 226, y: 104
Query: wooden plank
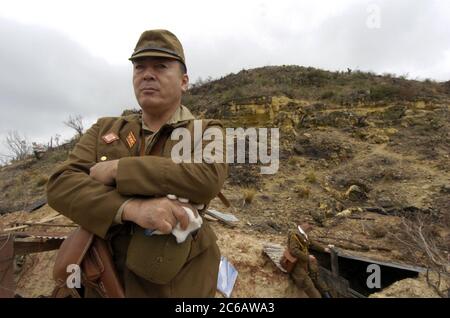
x: 406, y: 267
x: 50, y: 224
x: 43, y: 220
x: 334, y: 262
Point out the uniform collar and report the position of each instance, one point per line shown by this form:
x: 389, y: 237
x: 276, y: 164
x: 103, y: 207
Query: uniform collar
x: 181, y: 114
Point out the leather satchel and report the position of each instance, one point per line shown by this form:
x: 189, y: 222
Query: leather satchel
x: 288, y: 261
x: 92, y: 255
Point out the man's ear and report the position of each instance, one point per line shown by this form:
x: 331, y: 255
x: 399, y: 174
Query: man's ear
x: 184, y: 83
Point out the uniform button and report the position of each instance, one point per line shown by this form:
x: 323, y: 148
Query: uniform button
x: 103, y: 158
x: 159, y: 259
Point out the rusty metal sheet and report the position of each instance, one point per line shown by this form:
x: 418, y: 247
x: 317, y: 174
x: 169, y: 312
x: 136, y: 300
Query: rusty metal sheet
x: 274, y: 252
x: 27, y: 247
x: 7, y: 282
x: 41, y: 235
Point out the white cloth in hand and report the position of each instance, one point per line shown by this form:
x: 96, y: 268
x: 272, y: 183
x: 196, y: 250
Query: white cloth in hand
x: 194, y: 224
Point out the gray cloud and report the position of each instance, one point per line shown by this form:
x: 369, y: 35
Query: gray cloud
x: 412, y: 39
x: 46, y: 77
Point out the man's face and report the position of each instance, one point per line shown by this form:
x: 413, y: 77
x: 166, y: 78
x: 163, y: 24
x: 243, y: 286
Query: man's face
x: 158, y: 82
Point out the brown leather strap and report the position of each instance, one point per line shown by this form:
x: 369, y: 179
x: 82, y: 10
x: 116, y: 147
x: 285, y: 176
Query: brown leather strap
x: 94, y: 257
x: 224, y: 199
x: 303, y: 245
x: 99, y: 271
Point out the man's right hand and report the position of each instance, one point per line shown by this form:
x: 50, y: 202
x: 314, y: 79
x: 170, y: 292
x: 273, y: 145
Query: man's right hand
x: 156, y: 214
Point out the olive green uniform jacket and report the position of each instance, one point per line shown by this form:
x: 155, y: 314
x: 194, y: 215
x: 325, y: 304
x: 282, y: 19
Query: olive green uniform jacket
x: 154, y: 266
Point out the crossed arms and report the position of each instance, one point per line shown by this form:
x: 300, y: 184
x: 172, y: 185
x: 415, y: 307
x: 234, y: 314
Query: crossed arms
x: 91, y: 193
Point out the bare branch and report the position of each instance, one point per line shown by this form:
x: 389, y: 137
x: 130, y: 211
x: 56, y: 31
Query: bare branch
x: 417, y: 236
x: 76, y: 123
x: 17, y: 145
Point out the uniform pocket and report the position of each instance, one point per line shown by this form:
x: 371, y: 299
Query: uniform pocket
x: 202, y: 240
x: 157, y: 258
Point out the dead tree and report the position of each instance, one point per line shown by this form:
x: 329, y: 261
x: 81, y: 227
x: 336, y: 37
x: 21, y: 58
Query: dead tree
x: 76, y: 123
x: 17, y: 145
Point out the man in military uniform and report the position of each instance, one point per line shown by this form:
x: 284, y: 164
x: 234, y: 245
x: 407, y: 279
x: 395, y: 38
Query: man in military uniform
x: 306, y: 271
x: 111, y: 185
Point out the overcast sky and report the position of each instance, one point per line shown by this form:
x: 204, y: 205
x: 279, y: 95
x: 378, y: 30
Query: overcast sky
x: 61, y: 58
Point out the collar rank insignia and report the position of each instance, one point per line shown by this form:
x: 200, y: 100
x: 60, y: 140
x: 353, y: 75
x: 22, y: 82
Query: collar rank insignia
x: 109, y: 138
x: 131, y: 139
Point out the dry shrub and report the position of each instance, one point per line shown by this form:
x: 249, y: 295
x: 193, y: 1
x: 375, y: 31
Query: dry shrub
x: 311, y: 177
x: 248, y: 195
x: 302, y: 191
x: 422, y: 242
x: 41, y: 180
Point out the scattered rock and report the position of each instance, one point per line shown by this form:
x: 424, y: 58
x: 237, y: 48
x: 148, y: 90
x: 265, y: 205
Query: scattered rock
x: 338, y: 206
x: 321, y: 147
x: 355, y: 193
x: 445, y: 188
x: 379, y: 138
x: 318, y: 216
x: 394, y: 112
x: 337, y: 118
x: 349, y: 212
x: 378, y: 230
x: 244, y: 175
x: 323, y: 206
x: 330, y: 213
x: 385, y: 202
x: 275, y: 226
x: 302, y: 191
x: 265, y: 197
x: 269, y: 226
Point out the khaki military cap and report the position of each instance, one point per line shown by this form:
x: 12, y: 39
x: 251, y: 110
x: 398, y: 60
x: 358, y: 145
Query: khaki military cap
x: 158, y: 43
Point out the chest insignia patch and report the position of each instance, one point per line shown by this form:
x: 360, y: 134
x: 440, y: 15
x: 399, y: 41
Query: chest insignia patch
x: 109, y: 138
x: 131, y: 139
